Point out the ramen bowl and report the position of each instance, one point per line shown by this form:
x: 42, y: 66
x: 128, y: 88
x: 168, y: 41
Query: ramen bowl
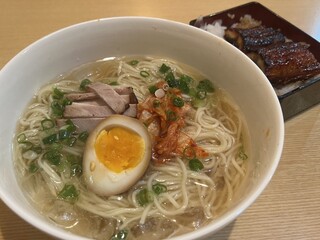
x: 73, y: 46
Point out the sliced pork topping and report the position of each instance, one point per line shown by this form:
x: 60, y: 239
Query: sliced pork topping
x: 131, y: 111
x: 81, y: 96
x: 83, y: 110
x: 110, y: 96
x: 99, y: 102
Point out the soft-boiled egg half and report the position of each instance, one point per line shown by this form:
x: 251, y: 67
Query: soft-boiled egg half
x: 117, y: 154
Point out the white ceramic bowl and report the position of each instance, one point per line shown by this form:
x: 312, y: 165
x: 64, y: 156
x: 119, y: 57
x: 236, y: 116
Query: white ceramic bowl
x: 70, y: 47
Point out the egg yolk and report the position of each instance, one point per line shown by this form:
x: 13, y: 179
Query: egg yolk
x: 119, y: 148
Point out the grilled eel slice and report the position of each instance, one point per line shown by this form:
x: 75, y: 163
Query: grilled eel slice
x: 287, y: 62
x: 251, y: 39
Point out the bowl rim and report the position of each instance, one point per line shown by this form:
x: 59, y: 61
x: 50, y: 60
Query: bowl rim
x: 201, y: 232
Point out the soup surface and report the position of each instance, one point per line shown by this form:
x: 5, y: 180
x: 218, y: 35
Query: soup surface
x: 194, y: 155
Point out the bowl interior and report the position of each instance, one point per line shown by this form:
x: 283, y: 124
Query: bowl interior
x: 86, y: 42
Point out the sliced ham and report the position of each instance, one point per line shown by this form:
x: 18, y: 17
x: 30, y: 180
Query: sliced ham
x: 110, y: 96
x: 83, y: 110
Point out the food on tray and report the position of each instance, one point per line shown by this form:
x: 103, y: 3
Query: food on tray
x: 251, y: 39
x: 283, y: 60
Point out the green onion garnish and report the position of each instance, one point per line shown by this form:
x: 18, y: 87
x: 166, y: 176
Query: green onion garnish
x: 205, y: 85
x: 114, y: 83
x: 50, y: 139
x: 153, y: 89
x: 164, y: 68
x: 53, y: 156
x: 189, y: 153
x: 57, y: 108
x: 83, y: 136
x: 172, y: 82
x: 57, y: 94
x: 242, y: 154
x: 159, y: 188
x: 201, y: 94
x: 37, y: 149
x: 69, y: 193
x: 121, y: 235
x: 75, y: 169
x: 178, y: 102
x: 84, y: 83
x: 33, y: 167
x: 156, y: 103
x: 64, y: 134
x: 47, y: 124
x: 171, y: 115
x: 21, y: 138
x: 133, y: 62
x: 195, y: 165
x: 144, y: 74
x: 71, y: 141
x: 184, y: 86
x: 144, y: 197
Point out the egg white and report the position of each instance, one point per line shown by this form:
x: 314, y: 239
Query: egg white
x: 97, y: 176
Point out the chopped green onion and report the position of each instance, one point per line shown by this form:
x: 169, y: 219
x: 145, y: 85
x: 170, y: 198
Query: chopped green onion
x: 121, y: 235
x: 50, y: 139
x: 185, y: 78
x: 75, y: 169
x: 53, y: 156
x: 71, y: 141
x: 83, y: 136
x: 156, y: 103
x: 33, y: 167
x: 114, y: 83
x: 144, y: 74
x: 47, y: 124
x: 189, y: 153
x: 64, y: 134
x: 24, y: 143
x: 69, y: 193
x: 201, y: 95
x: 159, y: 188
x: 171, y: 115
x: 37, y: 149
x: 144, y: 197
x: 133, y: 62
x: 70, y: 125
x: 205, y: 85
x: 164, y: 68
x: 172, y: 82
x: 242, y: 154
x: 153, y: 89
x: 178, y: 102
x: 57, y: 94
x: 66, y: 102
x: 197, y: 103
x: 84, y: 83
x: 55, y: 146
x: 184, y: 86
x: 195, y: 165
x: 21, y: 138
x: 57, y: 108
x: 27, y: 145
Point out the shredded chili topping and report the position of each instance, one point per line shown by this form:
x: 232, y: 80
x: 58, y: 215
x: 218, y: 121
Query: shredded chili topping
x: 165, y: 120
